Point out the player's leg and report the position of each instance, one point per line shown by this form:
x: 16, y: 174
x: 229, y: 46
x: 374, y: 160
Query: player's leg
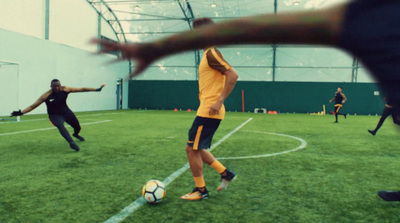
x: 338, y: 113
x: 196, y: 164
x: 71, y: 119
x: 345, y: 116
x: 337, y: 108
x: 196, y: 167
x: 58, y: 121
x: 210, y: 127
x: 386, y: 112
x: 395, y: 117
x: 392, y: 195
x: 195, y: 161
x: 226, y: 174
x: 389, y: 195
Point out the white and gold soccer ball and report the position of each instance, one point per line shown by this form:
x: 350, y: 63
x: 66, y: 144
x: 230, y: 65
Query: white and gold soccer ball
x: 153, y: 191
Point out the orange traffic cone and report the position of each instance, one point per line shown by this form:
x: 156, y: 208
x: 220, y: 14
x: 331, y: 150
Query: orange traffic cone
x: 175, y: 109
x: 189, y: 110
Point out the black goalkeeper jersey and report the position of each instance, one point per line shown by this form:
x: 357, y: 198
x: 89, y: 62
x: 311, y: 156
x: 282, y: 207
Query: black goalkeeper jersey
x: 338, y: 98
x: 57, y: 103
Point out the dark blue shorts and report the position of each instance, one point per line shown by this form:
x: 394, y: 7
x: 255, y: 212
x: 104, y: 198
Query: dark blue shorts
x: 202, y: 132
x: 338, y: 107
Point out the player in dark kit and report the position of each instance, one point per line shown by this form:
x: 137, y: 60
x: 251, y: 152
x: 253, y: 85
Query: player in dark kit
x: 58, y: 110
x: 386, y: 113
x: 339, y: 99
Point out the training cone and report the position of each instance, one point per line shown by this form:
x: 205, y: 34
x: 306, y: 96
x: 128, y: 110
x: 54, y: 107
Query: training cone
x: 189, y: 110
x: 175, y: 109
x: 272, y: 112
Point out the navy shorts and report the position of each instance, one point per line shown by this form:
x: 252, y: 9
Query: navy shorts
x: 202, y: 132
x: 338, y: 107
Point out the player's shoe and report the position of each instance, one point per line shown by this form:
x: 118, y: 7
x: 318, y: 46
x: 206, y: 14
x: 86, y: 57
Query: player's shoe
x: 230, y: 176
x: 389, y: 195
x: 345, y: 116
x: 196, y: 194
x: 78, y: 137
x: 74, y: 146
x: 372, y: 132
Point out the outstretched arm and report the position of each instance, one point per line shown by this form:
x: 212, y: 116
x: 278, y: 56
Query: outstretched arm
x: 34, y: 105
x: 309, y: 27
x: 83, y: 89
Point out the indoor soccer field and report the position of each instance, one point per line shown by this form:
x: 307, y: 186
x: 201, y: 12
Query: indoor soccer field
x: 290, y: 167
x: 295, y: 162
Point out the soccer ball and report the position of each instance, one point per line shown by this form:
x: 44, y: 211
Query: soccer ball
x: 153, y: 191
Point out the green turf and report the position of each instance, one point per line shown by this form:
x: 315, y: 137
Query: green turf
x: 334, y: 179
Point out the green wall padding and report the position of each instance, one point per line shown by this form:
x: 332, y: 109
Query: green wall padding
x: 298, y: 97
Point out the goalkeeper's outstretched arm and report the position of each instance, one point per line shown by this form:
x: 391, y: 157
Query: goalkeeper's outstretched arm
x: 83, y: 89
x: 33, y: 106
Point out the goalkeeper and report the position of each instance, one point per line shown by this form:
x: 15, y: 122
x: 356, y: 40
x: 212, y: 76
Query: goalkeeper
x: 58, y: 110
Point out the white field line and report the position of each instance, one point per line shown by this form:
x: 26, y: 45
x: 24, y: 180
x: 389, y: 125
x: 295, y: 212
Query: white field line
x: 78, y: 116
x: 51, y: 128
x: 302, y: 146
x: 139, y: 202
x: 30, y: 120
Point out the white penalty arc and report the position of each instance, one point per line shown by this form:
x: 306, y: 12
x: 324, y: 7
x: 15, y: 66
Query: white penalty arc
x: 301, y: 146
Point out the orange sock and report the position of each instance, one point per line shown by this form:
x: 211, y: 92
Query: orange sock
x: 216, y: 165
x: 200, y: 183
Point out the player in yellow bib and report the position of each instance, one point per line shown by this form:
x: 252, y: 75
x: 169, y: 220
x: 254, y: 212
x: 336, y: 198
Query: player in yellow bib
x: 216, y: 81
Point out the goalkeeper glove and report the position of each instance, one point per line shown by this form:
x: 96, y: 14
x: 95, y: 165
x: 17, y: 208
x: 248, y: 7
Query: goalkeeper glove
x: 17, y: 113
x: 101, y: 87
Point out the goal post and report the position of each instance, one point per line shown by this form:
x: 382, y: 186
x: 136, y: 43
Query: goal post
x: 9, y: 89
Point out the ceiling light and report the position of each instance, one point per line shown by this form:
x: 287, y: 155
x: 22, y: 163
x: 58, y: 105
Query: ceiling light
x: 296, y: 3
x: 137, y: 7
x: 213, y: 5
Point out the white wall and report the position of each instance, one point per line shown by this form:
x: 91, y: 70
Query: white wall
x: 40, y: 61
x: 71, y: 22
x: 24, y: 16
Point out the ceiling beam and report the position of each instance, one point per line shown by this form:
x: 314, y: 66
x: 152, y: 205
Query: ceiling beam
x: 108, y: 12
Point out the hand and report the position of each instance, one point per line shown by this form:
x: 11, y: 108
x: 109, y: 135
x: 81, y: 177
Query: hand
x: 17, y: 113
x: 330, y: 101
x: 101, y: 87
x: 214, y: 109
x: 137, y: 52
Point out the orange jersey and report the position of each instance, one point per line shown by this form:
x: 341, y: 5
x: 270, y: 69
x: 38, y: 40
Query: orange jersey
x: 211, y: 82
